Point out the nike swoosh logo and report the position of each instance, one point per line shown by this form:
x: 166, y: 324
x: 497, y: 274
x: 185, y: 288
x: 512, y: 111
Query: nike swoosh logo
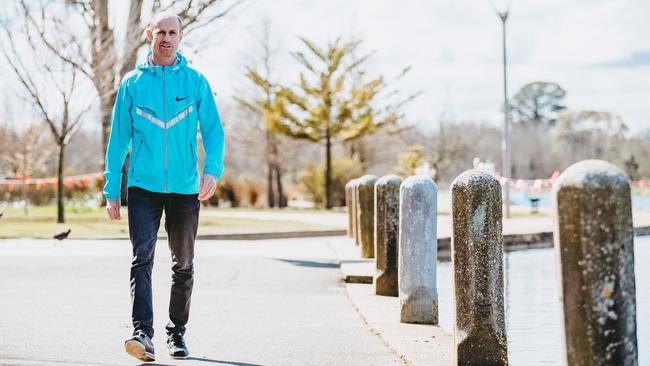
x: 179, y: 99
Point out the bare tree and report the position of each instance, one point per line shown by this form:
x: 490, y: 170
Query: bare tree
x: 79, y: 33
x: 590, y: 135
x: 52, y: 87
x: 27, y: 151
x: 265, y: 95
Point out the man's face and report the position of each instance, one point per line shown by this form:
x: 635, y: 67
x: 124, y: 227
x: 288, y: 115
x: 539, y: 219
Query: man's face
x: 165, y: 37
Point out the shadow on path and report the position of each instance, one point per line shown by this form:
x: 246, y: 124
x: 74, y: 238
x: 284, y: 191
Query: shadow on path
x: 311, y: 264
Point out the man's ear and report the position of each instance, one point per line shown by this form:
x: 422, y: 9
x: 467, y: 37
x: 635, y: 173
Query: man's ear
x: 180, y: 36
x: 149, y: 34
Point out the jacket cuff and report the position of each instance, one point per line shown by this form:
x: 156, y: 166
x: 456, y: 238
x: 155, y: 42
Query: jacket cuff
x: 215, y: 171
x: 111, y: 192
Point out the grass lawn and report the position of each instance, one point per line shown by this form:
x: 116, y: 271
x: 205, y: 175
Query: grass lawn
x: 88, y: 223
x: 93, y: 223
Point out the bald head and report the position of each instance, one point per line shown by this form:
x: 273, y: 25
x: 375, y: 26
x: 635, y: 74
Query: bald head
x: 164, y: 34
x: 164, y: 15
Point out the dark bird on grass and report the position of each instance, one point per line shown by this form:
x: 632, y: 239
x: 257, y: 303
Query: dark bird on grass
x: 62, y: 235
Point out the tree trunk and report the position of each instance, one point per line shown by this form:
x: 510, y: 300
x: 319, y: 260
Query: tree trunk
x: 129, y: 59
x: 60, y: 208
x: 103, y: 65
x: 276, y: 194
x: 269, y: 186
x: 328, y: 172
x: 107, y: 102
x: 282, y: 199
x: 132, y: 39
x: 270, y: 168
x: 25, y: 187
x: 25, y: 197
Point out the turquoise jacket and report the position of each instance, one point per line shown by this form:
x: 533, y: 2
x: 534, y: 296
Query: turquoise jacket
x: 157, y: 112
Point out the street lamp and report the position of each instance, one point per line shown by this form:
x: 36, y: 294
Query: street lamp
x: 503, y: 12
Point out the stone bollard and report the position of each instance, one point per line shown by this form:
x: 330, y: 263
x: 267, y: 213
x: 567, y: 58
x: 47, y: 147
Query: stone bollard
x: 417, y: 252
x: 367, y: 215
x: 357, y: 211
x: 594, y: 242
x: 386, y: 234
x: 477, y: 260
x: 349, y: 203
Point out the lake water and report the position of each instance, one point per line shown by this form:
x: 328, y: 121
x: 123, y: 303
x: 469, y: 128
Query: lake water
x: 533, y: 308
x: 546, y: 200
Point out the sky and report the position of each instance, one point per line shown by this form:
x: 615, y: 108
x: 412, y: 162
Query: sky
x: 597, y: 50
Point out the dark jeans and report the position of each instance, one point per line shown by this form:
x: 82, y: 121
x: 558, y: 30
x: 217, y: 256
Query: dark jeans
x: 181, y: 222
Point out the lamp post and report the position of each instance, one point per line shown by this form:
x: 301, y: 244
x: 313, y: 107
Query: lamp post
x: 505, y: 141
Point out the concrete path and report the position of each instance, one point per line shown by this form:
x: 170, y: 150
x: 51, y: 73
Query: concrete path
x: 419, y: 344
x: 332, y: 219
x: 272, y: 302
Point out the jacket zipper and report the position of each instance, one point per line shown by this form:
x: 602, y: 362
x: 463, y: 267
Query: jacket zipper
x: 165, y: 119
x: 135, y: 158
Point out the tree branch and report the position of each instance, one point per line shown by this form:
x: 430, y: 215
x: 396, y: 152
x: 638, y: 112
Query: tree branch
x: 51, y: 46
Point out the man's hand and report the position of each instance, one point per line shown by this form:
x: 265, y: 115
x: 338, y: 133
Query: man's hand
x: 113, y: 209
x: 208, y: 185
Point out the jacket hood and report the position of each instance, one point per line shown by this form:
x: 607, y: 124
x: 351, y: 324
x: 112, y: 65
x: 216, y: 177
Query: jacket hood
x: 148, y: 66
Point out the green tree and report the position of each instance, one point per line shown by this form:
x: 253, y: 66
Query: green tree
x: 334, y: 101
x: 538, y: 101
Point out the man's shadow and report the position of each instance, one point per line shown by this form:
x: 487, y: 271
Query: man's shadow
x: 208, y: 360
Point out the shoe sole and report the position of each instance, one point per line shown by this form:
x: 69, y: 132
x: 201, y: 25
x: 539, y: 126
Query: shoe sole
x: 137, y: 350
x: 180, y: 357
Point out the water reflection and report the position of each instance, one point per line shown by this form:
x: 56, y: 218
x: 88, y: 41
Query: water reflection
x: 533, y: 306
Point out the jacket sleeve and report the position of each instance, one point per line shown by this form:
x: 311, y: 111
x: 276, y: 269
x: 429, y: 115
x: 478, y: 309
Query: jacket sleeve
x: 119, y: 142
x: 211, y: 130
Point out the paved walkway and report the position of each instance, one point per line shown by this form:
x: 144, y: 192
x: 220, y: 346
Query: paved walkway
x: 338, y: 220
x: 271, y: 302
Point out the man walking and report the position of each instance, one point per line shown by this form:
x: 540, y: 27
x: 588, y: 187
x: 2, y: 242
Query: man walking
x: 158, y: 109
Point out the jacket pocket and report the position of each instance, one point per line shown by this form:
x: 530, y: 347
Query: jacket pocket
x: 194, y: 166
x: 148, y: 114
x: 145, y: 109
x: 135, y: 157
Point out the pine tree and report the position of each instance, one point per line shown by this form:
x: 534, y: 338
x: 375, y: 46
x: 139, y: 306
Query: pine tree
x: 333, y: 102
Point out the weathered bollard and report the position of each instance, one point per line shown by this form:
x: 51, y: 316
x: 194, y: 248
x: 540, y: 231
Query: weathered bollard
x: 357, y: 213
x: 594, y: 242
x: 386, y: 234
x: 417, y: 254
x: 349, y: 203
x: 477, y: 260
x: 367, y: 215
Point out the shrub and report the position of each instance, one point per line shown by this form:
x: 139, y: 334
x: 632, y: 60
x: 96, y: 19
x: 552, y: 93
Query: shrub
x: 313, y: 180
x: 46, y: 194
